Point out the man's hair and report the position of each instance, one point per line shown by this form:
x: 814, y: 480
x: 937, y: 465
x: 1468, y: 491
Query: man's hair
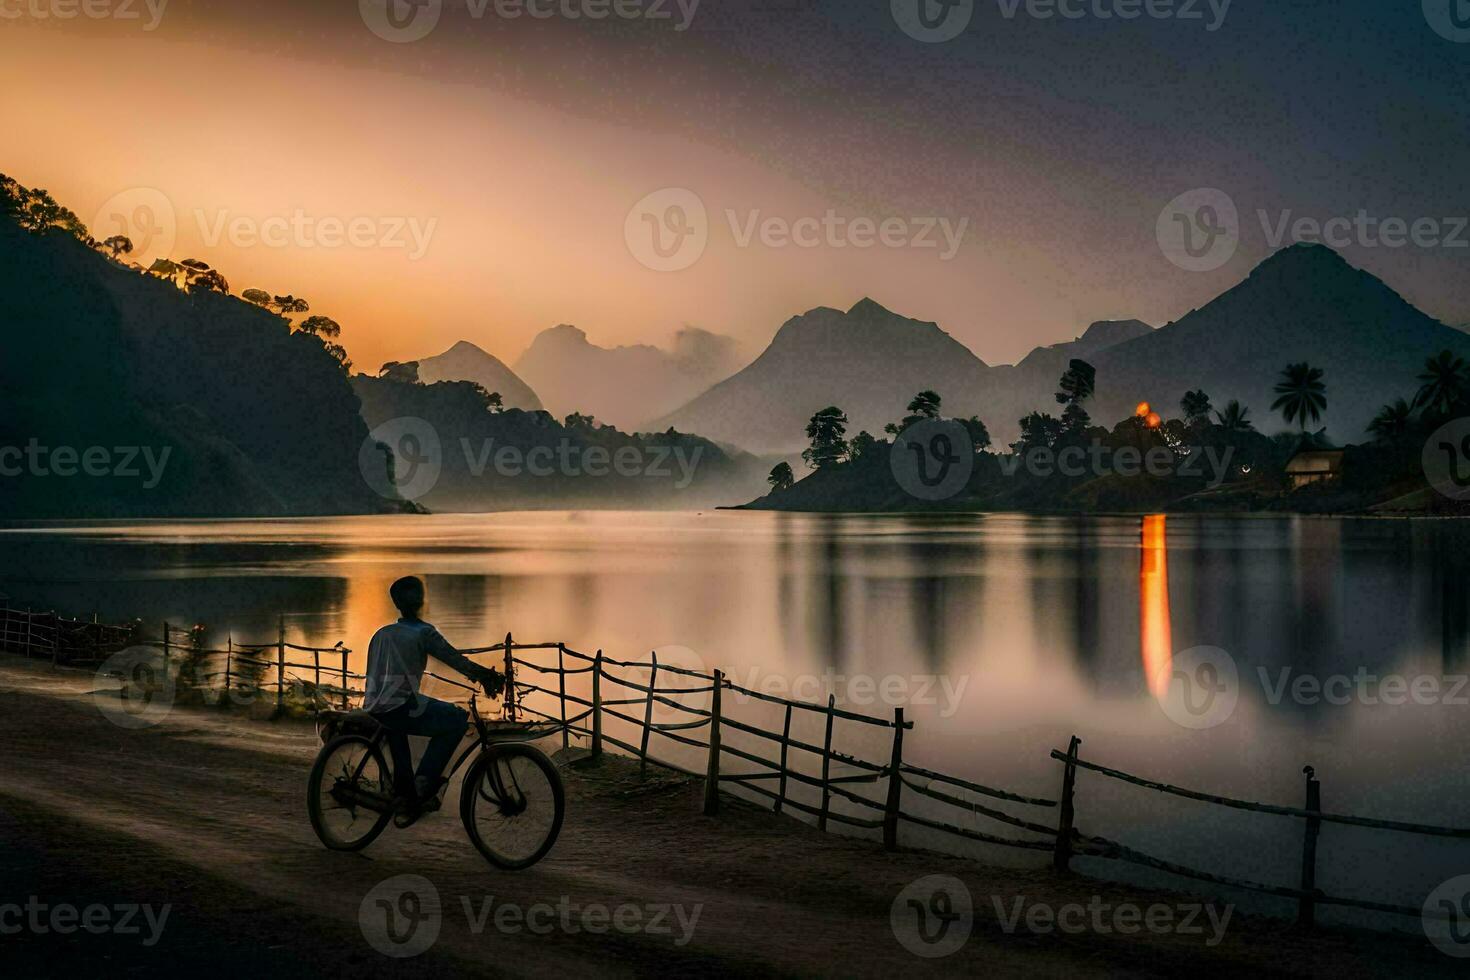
x: 408, y: 594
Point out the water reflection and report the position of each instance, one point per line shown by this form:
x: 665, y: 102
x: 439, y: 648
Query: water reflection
x: 1155, y: 634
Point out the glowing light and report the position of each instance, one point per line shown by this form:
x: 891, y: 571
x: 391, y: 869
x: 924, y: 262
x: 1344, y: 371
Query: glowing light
x: 1153, y: 421
x: 1155, y: 633
x: 1142, y: 410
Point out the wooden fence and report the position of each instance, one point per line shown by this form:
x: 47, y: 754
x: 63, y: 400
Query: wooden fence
x: 1307, y: 894
x: 75, y: 641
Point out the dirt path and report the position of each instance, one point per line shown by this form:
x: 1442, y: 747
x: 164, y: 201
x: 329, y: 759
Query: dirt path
x: 207, y: 814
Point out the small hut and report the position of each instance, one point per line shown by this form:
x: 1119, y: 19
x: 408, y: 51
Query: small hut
x: 1314, y: 466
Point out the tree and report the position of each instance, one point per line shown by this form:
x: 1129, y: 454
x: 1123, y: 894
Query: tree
x: 1391, y: 423
x: 11, y: 197
x: 287, y: 305
x: 320, y: 326
x: 1235, y: 418
x: 166, y: 269
x: 406, y: 373
x: 579, y: 421
x: 1038, y: 431
x: 1077, y: 385
x: 209, y: 280
x: 781, y: 477
x: 1196, y: 407
x: 924, y: 406
x: 340, y: 353
x: 1302, y: 394
x: 861, y: 445
x: 979, y: 435
x: 258, y: 297
x: 826, y: 431
x: 1445, y: 385
x: 119, y: 245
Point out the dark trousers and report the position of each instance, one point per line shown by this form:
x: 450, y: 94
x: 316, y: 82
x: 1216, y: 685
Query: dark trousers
x: 444, y: 724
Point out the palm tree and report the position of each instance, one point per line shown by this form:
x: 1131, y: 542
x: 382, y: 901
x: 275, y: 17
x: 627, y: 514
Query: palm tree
x: 1303, y: 395
x: 1235, y: 418
x: 1196, y: 407
x: 1392, y: 421
x: 1446, y: 384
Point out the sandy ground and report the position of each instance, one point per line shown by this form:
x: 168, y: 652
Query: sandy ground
x: 206, y: 813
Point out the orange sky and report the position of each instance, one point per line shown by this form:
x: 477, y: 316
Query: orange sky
x: 523, y: 150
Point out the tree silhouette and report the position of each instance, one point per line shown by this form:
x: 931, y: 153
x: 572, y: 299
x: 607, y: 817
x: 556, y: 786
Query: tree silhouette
x: 1038, y: 431
x: 1077, y: 385
x: 287, y: 305
x: 861, y: 445
x: 320, y: 326
x: 1196, y: 407
x: 1235, y: 418
x: 406, y: 372
x: 119, y: 245
x: 826, y: 431
x: 1302, y: 394
x: 923, y: 406
x: 165, y: 269
x: 210, y: 280
x: 340, y: 353
x: 258, y: 297
x: 579, y: 421
x: 978, y: 433
x: 1445, y: 385
x: 1391, y: 423
x: 781, y: 477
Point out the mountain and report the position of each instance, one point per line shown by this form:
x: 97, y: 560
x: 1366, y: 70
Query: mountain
x: 177, y: 404
x: 466, y: 362
x: 868, y: 361
x: 1304, y: 303
x: 624, y: 386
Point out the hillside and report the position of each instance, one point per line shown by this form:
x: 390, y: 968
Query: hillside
x: 238, y: 415
x: 466, y: 362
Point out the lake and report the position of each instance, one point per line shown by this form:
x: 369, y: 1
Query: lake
x: 1335, y: 643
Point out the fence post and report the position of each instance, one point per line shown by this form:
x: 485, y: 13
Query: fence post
x: 166, y: 630
x: 785, y: 739
x: 597, y: 706
x: 316, y: 669
x: 827, y: 765
x: 561, y: 665
x: 28, y: 631
x: 1306, y: 910
x: 647, y: 718
x: 712, y: 771
x: 345, y: 703
x: 895, y: 785
x: 510, y: 678
x: 1062, y: 856
x: 229, y: 658
x: 281, y: 661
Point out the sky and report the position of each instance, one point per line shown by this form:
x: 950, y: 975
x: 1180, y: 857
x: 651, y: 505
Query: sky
x: 455, y: 172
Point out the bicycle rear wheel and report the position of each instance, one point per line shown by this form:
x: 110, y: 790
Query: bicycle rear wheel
x: 349, y: 794
x: 512, y: 805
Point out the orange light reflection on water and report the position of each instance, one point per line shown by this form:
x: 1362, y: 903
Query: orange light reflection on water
x: 1155, y: 635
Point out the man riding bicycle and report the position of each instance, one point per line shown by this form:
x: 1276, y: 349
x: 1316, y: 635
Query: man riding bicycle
x: 397, y: 657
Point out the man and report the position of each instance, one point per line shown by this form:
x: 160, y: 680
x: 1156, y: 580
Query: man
x: 397, y: 656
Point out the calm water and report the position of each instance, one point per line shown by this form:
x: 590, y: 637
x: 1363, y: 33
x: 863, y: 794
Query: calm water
x: 1003, y: 635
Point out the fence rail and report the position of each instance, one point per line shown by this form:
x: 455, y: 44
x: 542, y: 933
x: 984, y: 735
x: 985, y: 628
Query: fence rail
x: 1307, y: 894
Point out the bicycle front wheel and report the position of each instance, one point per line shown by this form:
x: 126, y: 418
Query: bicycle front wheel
x: 349, y: 794
x: 512, y: 805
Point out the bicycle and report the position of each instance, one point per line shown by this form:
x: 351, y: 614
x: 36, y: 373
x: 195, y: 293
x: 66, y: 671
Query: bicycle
x: 511, y: 803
